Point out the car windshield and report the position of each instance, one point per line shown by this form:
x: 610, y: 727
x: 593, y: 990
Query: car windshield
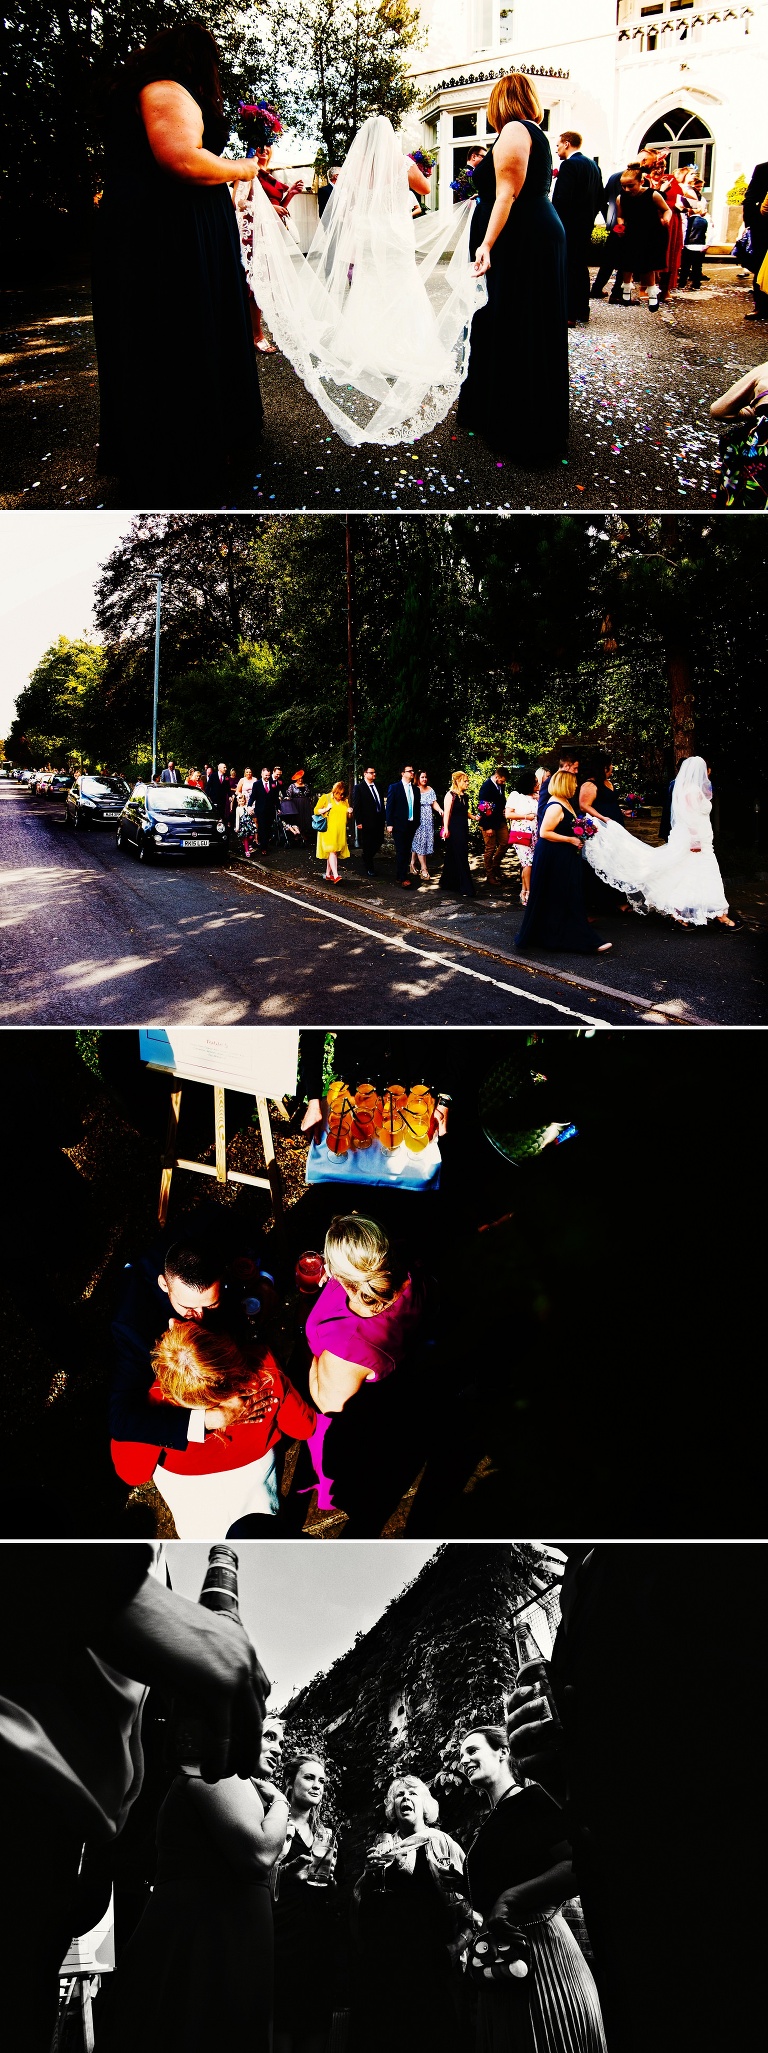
x: 175, y: 798
x: 104, y: 787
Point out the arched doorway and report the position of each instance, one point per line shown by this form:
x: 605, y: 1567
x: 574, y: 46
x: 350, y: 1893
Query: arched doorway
x: 686, y: 139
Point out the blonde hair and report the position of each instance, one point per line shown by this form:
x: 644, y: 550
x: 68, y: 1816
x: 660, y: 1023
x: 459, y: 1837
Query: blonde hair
x: 194, y: 1366
x: 514, y: 98
x: 338, y: 790
x: 357, y: 1254
x: 429, y: 1803
x: 563, y: 784
x: 459, y: 781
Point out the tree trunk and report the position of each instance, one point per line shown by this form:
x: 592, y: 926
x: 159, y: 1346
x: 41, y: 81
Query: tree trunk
x: 681, y: 699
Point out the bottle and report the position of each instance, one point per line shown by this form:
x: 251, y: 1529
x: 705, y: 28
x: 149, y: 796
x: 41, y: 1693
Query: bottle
x: 219, y: 1593
x: 532, y: 1674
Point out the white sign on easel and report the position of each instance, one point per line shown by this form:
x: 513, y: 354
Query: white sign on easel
x: 263, y: 1062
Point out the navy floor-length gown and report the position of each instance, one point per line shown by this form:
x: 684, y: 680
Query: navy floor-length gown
x: 555, y: 916
x: 456, y: 874
x: 515, y: 393
x: 180, y: 403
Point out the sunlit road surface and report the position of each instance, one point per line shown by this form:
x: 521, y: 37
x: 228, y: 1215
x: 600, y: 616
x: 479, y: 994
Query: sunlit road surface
x: 88, y: 936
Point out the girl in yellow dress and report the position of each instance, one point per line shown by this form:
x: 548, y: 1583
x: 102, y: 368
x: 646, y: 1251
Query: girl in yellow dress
x: 332, y: 843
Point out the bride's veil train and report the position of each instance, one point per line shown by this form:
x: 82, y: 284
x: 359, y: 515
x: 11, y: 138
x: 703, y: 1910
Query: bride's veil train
x: 682, y: 877
x: 376, y: 318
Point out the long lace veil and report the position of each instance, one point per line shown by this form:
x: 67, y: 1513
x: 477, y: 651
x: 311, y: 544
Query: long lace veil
x: 692, y: 799
x: 375, y: 319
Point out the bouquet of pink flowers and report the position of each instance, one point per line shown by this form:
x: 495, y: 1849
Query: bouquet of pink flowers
x: 584, y: 828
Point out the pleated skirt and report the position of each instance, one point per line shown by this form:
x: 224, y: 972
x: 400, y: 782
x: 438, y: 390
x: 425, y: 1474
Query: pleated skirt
x: 559, y: 2012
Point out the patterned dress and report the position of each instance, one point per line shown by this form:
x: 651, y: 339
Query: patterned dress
x: 424, y: 837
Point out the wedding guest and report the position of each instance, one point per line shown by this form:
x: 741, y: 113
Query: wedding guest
x: 180, y: 404
x: 217, y: 790
x: 71, y: 1763
x: 402, y: 817
x: 264, y: 806
x: 664, y: 182
x: 196, y: 780
x: 409, y: 1908
x: 515, y: 393
x: 646, y: 219
x: 368, y: 807
x: 197, y: 1275
x: 520, y: 1873
x: 755, y: 212
x: 598, y: 798
x: 210, y: 1486
x: 697, y: 233
x: 296, y: 807
x: 456, y: 874
x: 245, y: 819
x: 423, y: 843
x: 303, y: 1903
x: 555, y: 915
x: 491, y: 809
x: 520, y: 812
x: 368, y: 1314
x: 332, y: 839
x: 170, y: 775
x: 577, y: 199
x: 197, y: 1971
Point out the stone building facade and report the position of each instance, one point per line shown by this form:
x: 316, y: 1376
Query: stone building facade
x: 441, y: 1657
x: 691, y: 77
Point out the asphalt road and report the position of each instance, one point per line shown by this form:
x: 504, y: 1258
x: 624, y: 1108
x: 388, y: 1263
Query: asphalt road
x: 641, y: 436
x: 90, y: 937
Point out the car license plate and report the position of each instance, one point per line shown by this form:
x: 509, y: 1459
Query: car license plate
x: 197, y: 843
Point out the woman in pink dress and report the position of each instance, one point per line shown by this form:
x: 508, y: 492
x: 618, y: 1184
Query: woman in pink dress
x: 370, y: 1309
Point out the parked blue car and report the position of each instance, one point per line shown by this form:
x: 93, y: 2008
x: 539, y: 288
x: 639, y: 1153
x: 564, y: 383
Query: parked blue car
x: 170, y: 819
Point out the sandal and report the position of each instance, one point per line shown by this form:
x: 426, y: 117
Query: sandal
x: 732, y: 926
x: 266, y: 348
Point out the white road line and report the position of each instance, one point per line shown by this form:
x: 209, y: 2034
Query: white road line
x: 458, y: 969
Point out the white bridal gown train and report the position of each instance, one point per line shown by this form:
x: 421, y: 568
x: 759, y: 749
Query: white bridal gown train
x: 376, y: 318
x: 682, y: 878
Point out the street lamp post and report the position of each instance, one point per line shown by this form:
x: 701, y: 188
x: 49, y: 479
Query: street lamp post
x: 159, y: 583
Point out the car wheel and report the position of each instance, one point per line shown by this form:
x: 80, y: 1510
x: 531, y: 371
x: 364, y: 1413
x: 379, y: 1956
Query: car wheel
x: 79, y: 822
x: 146, y: 851
x: 67, y: 817
x: 120, y: 838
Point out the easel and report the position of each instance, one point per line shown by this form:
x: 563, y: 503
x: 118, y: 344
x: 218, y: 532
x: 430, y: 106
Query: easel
x: 172, y: 1160
x: 82, y: 1983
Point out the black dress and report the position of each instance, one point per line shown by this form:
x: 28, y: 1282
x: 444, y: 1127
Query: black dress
x: 197, y: 1972
x: 516, y: 389
x: 645, y: 236
x: 405, y: 1993
x: 304, y: 1946
x: 555, y: 916
x: 456, y: 874
x: 180, y: 403
x: 557, y: 2009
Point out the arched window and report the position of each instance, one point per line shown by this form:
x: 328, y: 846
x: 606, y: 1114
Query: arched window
x: 686, y: 140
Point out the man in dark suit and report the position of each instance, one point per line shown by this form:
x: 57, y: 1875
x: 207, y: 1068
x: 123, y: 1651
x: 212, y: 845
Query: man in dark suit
x: 195, y: 1277
x: 368, y: 808
x: 264, y: 803
x: 217, y: 790
x: 402, y: 818
x: 577, y: 198
x: 757, y: 223
x: 568, y: 758
x: 325, y: 193
x: 170, y: 774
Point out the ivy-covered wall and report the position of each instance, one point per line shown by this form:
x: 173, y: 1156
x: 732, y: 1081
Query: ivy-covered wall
x: 440, y: 1658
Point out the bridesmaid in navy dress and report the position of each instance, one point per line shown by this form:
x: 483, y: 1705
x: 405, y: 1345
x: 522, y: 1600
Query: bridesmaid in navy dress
x: 555, y: 915
x: 516, y: 390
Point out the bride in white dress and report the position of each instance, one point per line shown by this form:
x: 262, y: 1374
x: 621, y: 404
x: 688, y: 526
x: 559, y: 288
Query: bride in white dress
x: 682, y: 877
x: 376, y: 318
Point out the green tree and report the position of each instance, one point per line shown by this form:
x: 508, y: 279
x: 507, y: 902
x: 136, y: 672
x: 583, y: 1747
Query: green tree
x: 59, y: 712
x: 332, y: 63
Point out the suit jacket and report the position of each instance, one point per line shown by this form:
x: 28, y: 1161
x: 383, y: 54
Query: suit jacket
x: 218, y: 793
x: 610, y: 190
x: 367, y: 813
x: 397, y: 806
x: 578, y: 194
x: 264, y: 805
x: 170, y: 777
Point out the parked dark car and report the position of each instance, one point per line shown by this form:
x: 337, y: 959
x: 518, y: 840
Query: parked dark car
x: 95, y: 801
x: 60, y: 784
x: 163, y: 819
